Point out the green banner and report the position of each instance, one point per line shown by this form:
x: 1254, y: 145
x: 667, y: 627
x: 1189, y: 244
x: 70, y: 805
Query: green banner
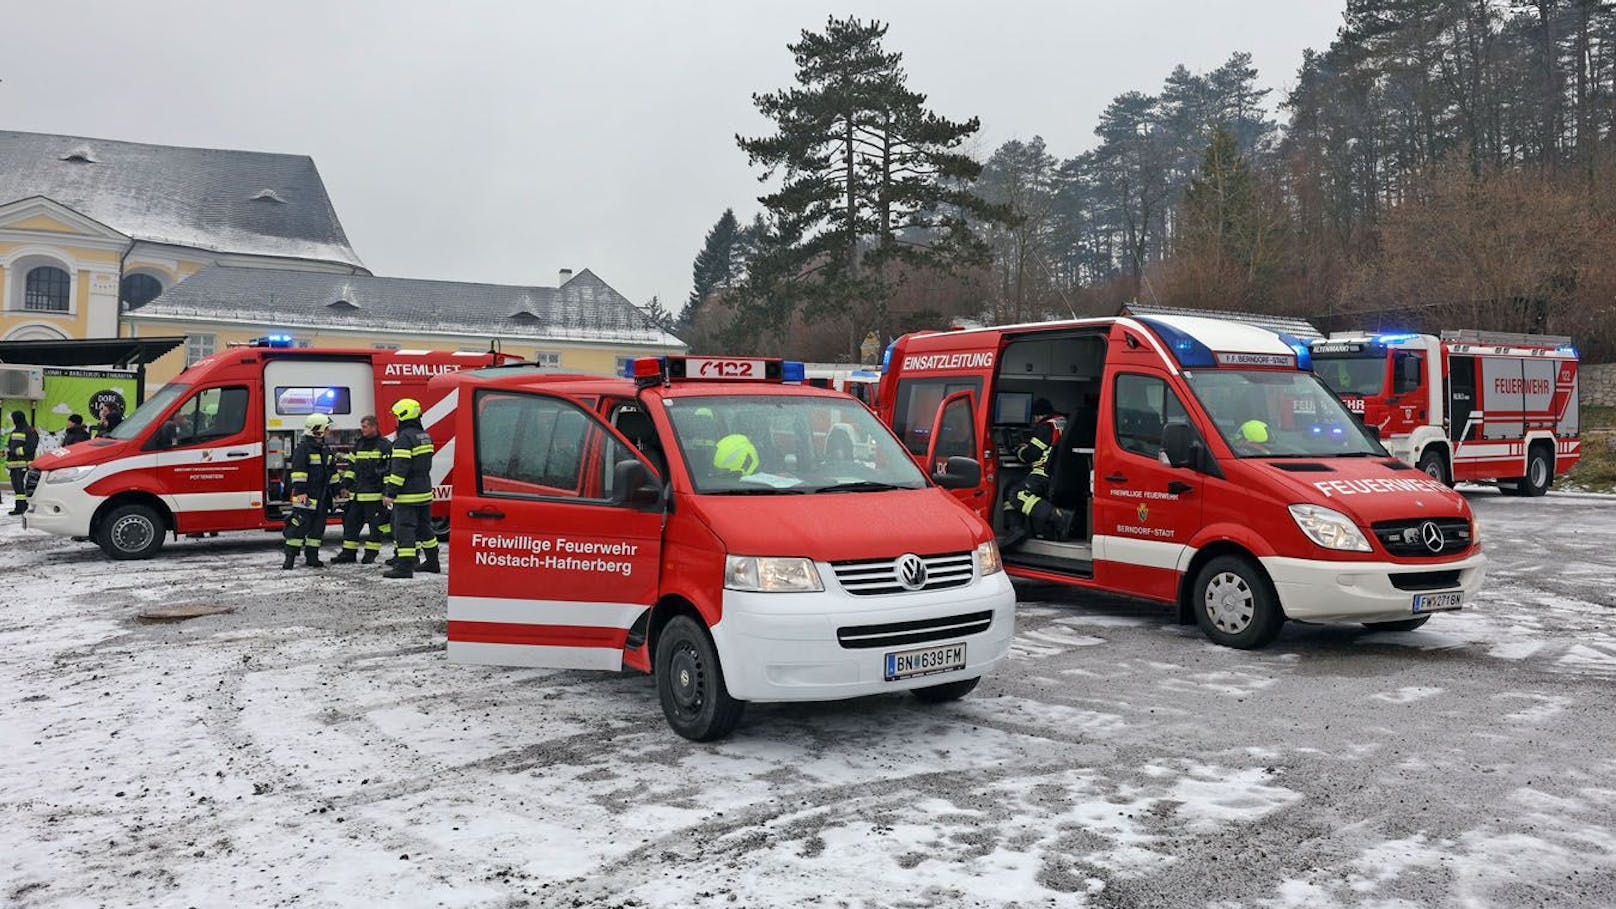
x: 74, y: 391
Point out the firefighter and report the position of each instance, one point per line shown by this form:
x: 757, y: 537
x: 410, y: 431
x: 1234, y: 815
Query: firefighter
x: 20, y: 448
x: 1027, y: 510
x: 362, y: 483
x: 313, y: 480
x: 407, y: 490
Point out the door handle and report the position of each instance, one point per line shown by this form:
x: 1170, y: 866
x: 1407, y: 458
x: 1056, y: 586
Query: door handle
x: 236, y: 454
x: 1115, y: 478
x: 1177, y: 488
x: 485, y: 513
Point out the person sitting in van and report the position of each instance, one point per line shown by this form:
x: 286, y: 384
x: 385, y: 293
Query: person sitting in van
x: 1027, y: 509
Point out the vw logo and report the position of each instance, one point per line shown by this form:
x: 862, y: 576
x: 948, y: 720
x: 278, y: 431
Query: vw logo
x: 1431, y: 536
x: 911, y: 571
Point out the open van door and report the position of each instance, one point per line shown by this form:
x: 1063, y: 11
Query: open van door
x: 557, y: 525
x: 954, y: 435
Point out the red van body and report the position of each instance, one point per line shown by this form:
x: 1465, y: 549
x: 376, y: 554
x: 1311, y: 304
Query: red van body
x: 210, y: 451
x: 1318, y: 524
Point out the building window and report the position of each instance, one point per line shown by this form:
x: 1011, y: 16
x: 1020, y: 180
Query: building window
x: 550, y: 358
x: 304, y: 342
x: 137, y: 290
x: 382, y: 345
x: 197, y: 347
x: 46, y: 290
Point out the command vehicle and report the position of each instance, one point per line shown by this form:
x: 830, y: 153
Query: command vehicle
x: 1468, y: 405
x: 211, y: 450
x: 1170, y: 498
x: 859, y: 381
x: 715, y: 525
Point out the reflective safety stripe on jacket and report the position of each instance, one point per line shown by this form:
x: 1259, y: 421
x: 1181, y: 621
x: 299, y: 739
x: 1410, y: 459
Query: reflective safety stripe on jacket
x: 1038, y: 449
x: 20, y: 448
x: 367, y: 464
x: 409, y: 479
x: 312, y: 467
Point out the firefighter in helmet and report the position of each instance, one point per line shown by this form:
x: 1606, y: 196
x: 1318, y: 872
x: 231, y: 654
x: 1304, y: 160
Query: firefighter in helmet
x: 314, y: 481
x: 362, y: 481
x: 407, y: 490
x: 21, y: 445
x: 1027, y: 510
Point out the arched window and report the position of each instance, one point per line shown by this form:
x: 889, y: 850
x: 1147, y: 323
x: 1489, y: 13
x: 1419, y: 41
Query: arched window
x: 46, y: 289
x: 137, y: 290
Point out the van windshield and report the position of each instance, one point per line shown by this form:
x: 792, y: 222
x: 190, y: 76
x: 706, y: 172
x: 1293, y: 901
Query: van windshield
x: 147, y: 413
x: 1272, y: 414
x: 785, y: 444
x: 1356, y: 375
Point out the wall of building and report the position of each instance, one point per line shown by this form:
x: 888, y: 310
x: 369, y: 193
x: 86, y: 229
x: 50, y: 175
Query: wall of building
x: 93, y: 293
x: 601, y: 358
x: 1596, y: 384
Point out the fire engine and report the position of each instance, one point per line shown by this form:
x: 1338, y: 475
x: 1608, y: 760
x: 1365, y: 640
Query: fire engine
x: 1201, y: 464
x: 712, y: 522
x: 211, y: 450
x: 1468, y: 405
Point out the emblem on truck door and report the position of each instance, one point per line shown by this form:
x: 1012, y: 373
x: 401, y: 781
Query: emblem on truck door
x: 911, y: 571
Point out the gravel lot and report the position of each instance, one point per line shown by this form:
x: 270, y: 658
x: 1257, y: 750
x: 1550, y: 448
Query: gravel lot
x: 313, y: 747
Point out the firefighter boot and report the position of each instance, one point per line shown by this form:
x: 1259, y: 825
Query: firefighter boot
x: 20, y: 506
x: 429, y: 563
x: 346, y: 557
x: 1062, y: 521
x: 404, y: 568
x: 369, y: 557
x: 291, y: 559
x: 311, y: 557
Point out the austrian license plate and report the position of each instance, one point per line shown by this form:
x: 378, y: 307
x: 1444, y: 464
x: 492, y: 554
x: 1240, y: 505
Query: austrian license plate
x: 905, y: 664
x: 1436, y: 602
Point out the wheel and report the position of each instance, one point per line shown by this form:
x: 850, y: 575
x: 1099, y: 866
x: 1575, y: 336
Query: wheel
x: 1234, y: 604
x: 1399, y: 625
x: 1434, y: 465
x: 1539, y: 473
x: 440, y: 526
x: 948, y: 691
x: 690, y: 683
x: 130, y: 532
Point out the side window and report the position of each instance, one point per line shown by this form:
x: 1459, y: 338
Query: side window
x: 1142, y: 406
x: 207, y: 416
x: 956, y: 436
x: 917, y: 402
x: 530, y: 446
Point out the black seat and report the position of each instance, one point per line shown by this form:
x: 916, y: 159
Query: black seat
x: 1069, y: 470
x: 637, y: 427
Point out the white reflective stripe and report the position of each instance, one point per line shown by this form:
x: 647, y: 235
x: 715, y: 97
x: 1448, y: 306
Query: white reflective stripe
x: 212, y: 455
x: 442, y: 462
x: 438, y: 411
x: 544, y: 612
x: 216, y: 501
x: 541, y: 657
x: 1146, y: 553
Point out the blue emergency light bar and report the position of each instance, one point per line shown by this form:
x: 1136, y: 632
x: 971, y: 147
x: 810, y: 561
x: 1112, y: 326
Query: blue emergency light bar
x: 1187, y: 350
x: 1395, y: 339
x: 1304, y: 354
x: 272, y: 341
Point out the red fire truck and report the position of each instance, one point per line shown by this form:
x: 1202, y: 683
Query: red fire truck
x: 211, y: 450
x: 716, y: 524
x: 1469, y: 405
x: 1201, y: 463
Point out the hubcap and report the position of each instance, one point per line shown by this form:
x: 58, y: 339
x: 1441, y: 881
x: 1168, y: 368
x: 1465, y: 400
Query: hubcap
x: 687, y: 679
x: 132, y: 533
x: 1540, y: 472
x: 1229, y: 603
x: 1433, y: 470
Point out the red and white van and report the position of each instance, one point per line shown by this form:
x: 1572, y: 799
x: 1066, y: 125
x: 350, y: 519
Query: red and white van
x: 211, y: 450
x: 1172, y: 501
x: 1469, y: 405
x: 719, y: 527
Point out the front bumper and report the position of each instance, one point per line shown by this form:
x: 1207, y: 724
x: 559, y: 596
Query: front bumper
x: 783, y: 647
x: 64, y: 509
x: 1315, y: 590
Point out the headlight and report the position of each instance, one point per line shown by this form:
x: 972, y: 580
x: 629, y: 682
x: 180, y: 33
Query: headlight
x: 1330, y: 529
x: 66, y: 474
x: 770, y: 574
x: 987, y: 559
x: 1475, y: 532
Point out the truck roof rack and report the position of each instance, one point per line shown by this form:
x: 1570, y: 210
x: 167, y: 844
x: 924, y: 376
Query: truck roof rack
x: 1299, y: 328
x: 1506, y: 338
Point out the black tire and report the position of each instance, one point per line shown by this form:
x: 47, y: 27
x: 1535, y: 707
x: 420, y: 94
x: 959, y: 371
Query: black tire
x: 1235, y: 605
x: 948, y: 691
x: 1434, y: 465
x: 440, y: 526
x: 1539, y: 472
x: 131, y: 531
x: 690, y: 683
x: 1399, y: 625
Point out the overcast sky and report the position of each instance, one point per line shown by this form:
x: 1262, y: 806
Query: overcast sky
x: 500, y: 142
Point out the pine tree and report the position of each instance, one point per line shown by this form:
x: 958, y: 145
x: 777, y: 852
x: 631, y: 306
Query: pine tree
x: 716, y: 266
x: 658, y: 314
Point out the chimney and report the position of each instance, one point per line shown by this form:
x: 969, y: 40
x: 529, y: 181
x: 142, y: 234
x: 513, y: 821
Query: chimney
x: 566, y: 275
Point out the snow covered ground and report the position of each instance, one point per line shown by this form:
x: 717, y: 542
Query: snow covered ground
x: 314, y: 748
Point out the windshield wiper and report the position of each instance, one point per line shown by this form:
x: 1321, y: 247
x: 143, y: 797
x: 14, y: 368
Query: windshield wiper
x: 759, y: 491
x: 863, y: 486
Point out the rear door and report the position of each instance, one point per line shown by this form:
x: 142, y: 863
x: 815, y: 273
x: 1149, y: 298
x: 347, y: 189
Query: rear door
x: 210, y: 460
x: 551, y: 565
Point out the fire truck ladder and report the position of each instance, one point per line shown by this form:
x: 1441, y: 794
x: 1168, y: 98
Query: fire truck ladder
x: 1301, y: 329
x: 1505, y: 338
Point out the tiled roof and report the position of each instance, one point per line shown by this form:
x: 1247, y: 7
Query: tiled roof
x: 252, y: 203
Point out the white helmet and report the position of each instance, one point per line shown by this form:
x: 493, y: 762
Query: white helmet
x: 316, y: 424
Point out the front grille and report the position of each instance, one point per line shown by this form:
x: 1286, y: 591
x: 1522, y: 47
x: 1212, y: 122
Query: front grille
x: 30, y: 481
x: 874, y: 577
x: 1407, y: 537
x: 902, y: 634
x: 1426, y: 580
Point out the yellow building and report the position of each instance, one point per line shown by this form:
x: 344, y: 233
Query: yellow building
x: 98, y: 237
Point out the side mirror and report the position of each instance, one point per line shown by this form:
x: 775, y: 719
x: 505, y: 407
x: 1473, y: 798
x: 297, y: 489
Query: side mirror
x: 632, y: 485
x: 960, y: 473
x: 1374, y: 431
x: 1409, y: 369
x: 1178, y: 444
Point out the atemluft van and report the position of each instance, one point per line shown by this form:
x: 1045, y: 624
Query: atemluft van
x: 1171, y: 497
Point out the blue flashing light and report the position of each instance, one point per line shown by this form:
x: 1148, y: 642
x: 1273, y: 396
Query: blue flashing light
x: 1190, y: 352
x: 1394, y: 339
x: 1304, y: 354
x: 886, y: 357
x: 793, y: 371
x: 864, y: 374
x: 1568, y: 350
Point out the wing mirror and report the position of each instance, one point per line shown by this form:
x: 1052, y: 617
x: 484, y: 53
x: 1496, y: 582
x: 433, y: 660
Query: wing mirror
x: 633, y: 485
x: 959, y: 473
x: 1179, y: 445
